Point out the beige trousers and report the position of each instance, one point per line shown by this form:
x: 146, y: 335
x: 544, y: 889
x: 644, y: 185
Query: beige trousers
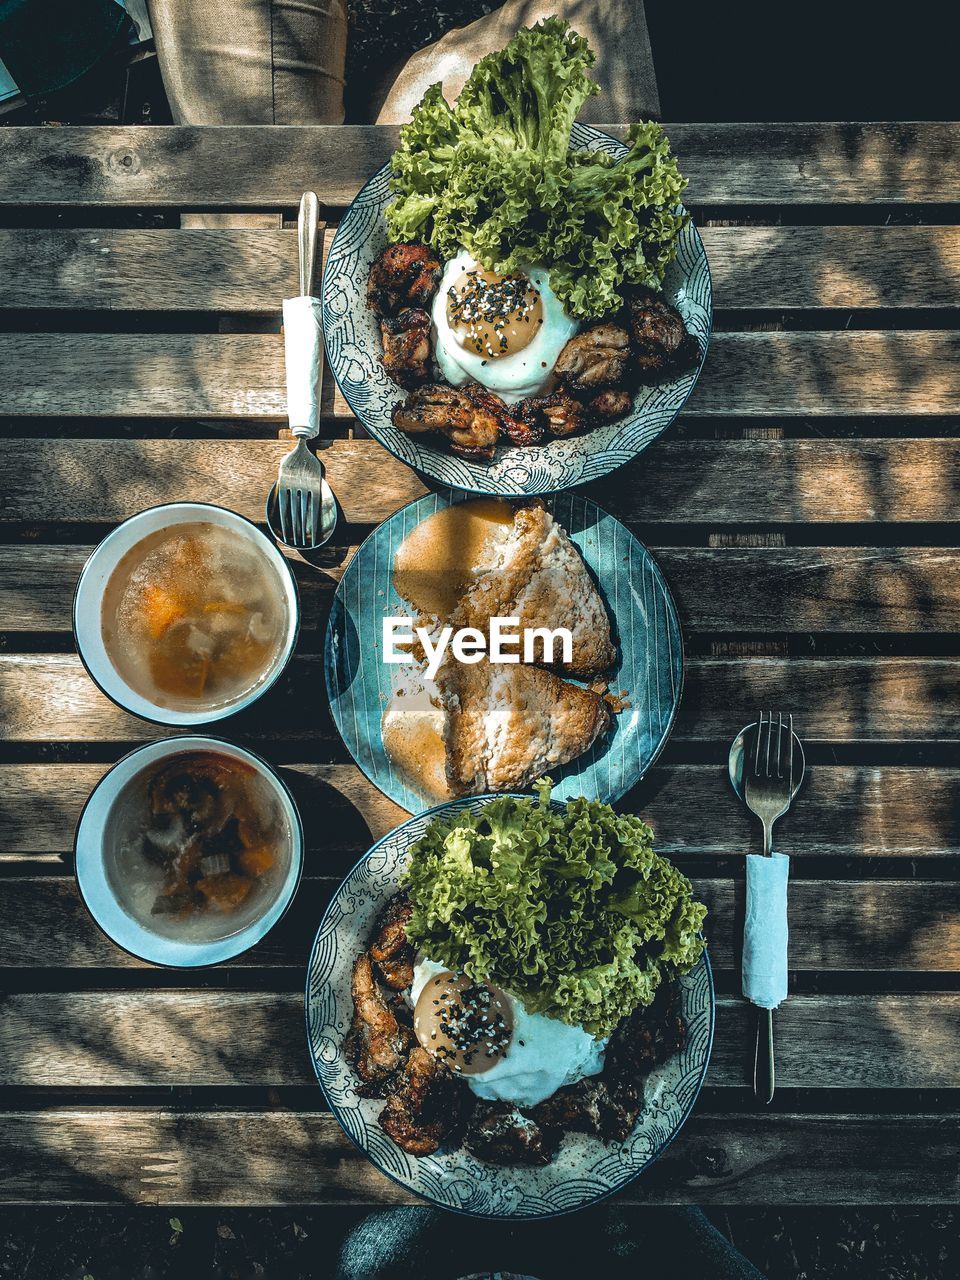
x: 282, y: 61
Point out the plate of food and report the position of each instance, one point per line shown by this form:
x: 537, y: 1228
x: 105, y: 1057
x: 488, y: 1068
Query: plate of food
x: 509, y: 1004
x: 517, y: 303
x: 594, y: 714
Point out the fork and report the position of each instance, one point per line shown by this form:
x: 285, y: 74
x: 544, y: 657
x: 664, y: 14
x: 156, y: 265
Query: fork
x: 304, y: 501
x: 767, y: 791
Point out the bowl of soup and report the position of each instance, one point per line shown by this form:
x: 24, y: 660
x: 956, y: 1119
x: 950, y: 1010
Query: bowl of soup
x: 188, y: 851
x: 185, y: 614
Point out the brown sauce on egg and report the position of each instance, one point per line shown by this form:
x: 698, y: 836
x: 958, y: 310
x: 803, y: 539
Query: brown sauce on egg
x: 494, y: 315
x: 465, y: 1024
x: 437, y: 561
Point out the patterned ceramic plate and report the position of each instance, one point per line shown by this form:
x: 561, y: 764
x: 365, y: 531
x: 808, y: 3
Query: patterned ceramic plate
x: 353, y: 354
x: 638, y: 601
x: 585, y: 1169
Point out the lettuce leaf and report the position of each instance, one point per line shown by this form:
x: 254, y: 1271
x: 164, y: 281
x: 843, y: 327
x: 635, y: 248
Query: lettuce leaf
x: 495, y: 174
x: 570, y: 909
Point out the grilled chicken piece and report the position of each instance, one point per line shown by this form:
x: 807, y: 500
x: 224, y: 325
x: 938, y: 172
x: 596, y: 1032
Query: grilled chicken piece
x: 559, y: 414
x: 402, y: 275
x: 644, y: 1040
x: 515, y: 425
x: 507, y: 725
x: 596, y: 358
x: 429, y: 1106
x: 471, y: 429
x: 608, y: 406
x: 661, y: 342
x: 391, y: 952
x: 376, y: 1043
x: 539, y: 576
x: 500, y: 1134
x: 406, y: 347
x: 590, y: 1107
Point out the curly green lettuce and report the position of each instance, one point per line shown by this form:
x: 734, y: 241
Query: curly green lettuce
x: 495, y: 174
x: 568, y: 908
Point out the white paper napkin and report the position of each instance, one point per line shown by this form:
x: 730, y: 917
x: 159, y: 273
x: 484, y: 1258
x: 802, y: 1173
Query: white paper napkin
x: 303, y: 353
x: 765, y: 930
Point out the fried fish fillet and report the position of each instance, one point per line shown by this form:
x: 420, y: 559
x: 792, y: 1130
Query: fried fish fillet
x: 535, y: 573
x: 508, y: 724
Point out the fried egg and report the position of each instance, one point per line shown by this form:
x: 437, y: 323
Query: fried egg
x: 503, y: 331
x: 532, y: 1055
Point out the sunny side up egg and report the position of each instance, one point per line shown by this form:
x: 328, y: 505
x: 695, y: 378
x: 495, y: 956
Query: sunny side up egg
x: 504, y: 332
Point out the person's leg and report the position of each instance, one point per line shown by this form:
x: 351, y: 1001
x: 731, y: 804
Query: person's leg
x: 616, y: 30
x: 252, y: 61
x: 618, y: 1244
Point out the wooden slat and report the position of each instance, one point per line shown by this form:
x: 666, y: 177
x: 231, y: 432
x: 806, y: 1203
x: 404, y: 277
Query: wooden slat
x: 92, y: 1155
x: 742, y: 589
x: 888, y: 812
x: 106, y: 269
x: 233, y: 270
x: 132, y: 1039
x: 869, y: 926
x: 676, y: 480
x: 833, y: 267
x: 728, y: 164
x: 873, y: 812
x: 48, y: 697
x: 240, y: 375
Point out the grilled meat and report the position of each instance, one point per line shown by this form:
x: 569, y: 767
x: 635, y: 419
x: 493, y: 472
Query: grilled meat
x: 500, y: 1134
x: 471, y: 429
x: 406, y: 347
x: 429, y: 1106
x: 402, y: 275
x: 608, y: 406
x: 595, y: 358
x: 376, y: 1043
x: 390, y: 951
x: 513, y: 425
x: 645, y: 1039
x: 559, y: 414
x: 590, y: 1106
x: 662, y: 346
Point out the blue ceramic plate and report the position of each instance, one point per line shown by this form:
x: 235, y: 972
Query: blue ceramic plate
x: 585, y: 1169
x: 353, y: 355
x: 646, y: 630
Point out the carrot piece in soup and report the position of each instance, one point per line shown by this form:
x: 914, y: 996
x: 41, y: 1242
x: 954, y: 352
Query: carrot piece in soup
x: 257, y: 861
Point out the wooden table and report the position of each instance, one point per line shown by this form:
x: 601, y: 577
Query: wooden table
x: 804, y: 509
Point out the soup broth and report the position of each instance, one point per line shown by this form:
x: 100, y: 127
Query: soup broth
x: 198, y: 847
x: 194, y: 616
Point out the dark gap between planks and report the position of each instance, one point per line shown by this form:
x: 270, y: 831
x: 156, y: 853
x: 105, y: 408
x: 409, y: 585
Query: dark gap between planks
x: 309, y: 1098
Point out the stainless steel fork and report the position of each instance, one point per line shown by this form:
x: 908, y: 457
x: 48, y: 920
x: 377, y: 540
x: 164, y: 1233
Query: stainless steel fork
x: 767, y: 791
x: 307, y: 508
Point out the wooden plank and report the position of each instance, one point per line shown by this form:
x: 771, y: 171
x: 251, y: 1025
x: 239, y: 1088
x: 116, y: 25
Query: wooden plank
x: 189, y: 1038
x: 240, y: 375
x: 744, y: 589
x: 231, y: 270
x: 106, y: 269
x: 885, y: 812
x: 49, y: 698
x: 108, y: 480
x: 822, y: 268
x: 676, y: 480
x: 146, y: 1155
x: 250, y: 167
x: 874, y: 926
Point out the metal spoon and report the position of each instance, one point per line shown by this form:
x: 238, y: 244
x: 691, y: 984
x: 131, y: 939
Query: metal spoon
x: 768, y: 798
